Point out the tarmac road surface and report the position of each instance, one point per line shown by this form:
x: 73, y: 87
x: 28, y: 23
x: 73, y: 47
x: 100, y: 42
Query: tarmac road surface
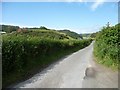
x: 78, y: 70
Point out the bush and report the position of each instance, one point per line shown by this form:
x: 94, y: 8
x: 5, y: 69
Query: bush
x: 106, y: 48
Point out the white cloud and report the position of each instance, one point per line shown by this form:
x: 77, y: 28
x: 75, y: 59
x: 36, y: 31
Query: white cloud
x: 96, y: 4
x: 20, y: 25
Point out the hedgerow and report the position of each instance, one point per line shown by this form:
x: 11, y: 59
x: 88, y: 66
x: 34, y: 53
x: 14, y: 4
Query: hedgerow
x: 106, y: 48
x: 21, y: 52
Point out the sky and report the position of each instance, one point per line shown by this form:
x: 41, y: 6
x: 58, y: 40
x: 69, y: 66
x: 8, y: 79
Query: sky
x: 80, y: 17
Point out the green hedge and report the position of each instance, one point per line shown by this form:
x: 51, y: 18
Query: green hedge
x: 106, y: 48
x: 21, y: 53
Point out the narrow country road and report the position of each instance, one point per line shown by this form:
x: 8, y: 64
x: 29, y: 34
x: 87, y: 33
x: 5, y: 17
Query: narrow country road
x: 70, y: 73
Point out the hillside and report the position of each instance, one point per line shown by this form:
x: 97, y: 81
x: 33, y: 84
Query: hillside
x: 44, y: 34
x: 93, y: 35
x: 85, y: 35
x: 71, y: 34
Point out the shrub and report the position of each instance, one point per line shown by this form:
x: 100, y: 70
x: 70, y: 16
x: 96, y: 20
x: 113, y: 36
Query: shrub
x: 106, y: 48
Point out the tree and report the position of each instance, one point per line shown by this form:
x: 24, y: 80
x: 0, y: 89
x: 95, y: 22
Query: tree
x: 9, y: 28
x: 42, y: 27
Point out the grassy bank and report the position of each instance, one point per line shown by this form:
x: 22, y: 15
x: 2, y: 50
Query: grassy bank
x: 24, y: 54
x: 106, y: 47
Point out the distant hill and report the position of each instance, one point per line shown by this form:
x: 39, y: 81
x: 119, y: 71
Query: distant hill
x: 85, y: 34
x: 89, y: 35
x: 48, y: 34
x: 43, y: 32
x: 9, y: 28
x: 93, y: 35
x: 71, y: 34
